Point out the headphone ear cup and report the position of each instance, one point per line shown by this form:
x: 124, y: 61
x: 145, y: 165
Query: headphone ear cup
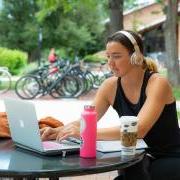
x: 133, y: 58
x: 136, y: 58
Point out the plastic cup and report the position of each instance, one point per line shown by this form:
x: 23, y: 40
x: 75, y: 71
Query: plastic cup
x: 128, y: 134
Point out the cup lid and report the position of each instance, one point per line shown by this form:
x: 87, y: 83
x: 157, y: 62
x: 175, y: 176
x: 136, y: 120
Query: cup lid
x: 128, y: 119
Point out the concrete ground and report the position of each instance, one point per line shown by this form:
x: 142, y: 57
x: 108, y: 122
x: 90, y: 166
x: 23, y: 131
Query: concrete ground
x: 66, y: 110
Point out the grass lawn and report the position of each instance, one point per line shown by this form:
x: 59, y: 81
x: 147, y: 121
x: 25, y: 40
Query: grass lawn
x: 163, y: 72
x: 13, y: 85
x: 176, y: 92
x: 178, y: 114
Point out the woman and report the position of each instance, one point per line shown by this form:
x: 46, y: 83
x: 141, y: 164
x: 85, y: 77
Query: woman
x: 136, y: 89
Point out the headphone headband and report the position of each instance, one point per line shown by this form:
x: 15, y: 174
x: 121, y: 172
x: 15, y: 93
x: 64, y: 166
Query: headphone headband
x: 137, y: 57
x: 129, y: 36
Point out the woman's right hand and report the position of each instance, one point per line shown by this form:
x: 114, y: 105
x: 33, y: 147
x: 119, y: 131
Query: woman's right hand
x: 60, y: 133
x: 49, y: 133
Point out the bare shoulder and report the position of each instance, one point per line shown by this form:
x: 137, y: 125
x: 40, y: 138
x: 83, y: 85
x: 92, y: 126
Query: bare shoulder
x: 109, y: 84
x: 159, y: 81
x: 108, y: 88
x: 159, y: 87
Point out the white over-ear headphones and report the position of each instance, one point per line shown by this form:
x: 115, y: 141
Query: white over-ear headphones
x: 137, y: 57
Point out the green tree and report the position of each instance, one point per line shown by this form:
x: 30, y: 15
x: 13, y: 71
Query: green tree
x: 73, y: 25
x: 130, y: 4
x: 18, y: 27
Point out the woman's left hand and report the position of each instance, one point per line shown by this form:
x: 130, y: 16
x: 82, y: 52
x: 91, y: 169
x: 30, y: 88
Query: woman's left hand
x: 70, y: 130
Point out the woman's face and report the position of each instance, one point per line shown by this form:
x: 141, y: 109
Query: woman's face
x: 118, y: 58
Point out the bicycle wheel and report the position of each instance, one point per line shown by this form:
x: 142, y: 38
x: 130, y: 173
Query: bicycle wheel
x: 82, y: 83
x: 5, y: 81
x: 89, y: 80
x: 27, y: 87
x: 82, y: 86
x: 99, y: 78
x: 70, y: 86
x: 65, y: 88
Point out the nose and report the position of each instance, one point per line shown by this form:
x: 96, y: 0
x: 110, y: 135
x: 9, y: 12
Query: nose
x: 110, y: 62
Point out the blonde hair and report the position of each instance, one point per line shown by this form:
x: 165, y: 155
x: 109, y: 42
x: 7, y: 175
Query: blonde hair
x: 149, y: 64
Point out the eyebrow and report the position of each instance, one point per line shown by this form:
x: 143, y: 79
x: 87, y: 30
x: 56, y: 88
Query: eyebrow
x: 114, y: 53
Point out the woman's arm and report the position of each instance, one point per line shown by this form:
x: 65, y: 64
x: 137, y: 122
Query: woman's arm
x: 101, y: 103
x: 112, y: 133
x: 104, y: 98
x: 159, y: 93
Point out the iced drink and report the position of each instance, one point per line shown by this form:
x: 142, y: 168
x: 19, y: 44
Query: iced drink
x: 128, y: 134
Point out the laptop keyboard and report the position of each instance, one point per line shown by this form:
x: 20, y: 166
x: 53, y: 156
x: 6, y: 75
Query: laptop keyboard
x: 75, y: 140
x: 53, y: 145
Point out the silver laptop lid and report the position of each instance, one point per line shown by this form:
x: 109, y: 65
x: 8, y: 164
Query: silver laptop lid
x: 23, y: 123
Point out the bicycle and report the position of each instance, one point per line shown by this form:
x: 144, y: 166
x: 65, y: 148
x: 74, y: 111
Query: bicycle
x: 58, y: 84
x: 5, y: 80
x: 99, y: 74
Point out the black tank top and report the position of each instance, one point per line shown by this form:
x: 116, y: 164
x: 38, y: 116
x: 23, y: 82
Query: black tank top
x: 165, y: 132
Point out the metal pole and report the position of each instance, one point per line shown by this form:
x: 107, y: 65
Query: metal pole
x: 40, y: 37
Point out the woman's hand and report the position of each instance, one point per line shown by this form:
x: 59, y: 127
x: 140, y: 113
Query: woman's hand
x: 60, y: 133
x: 70, y: 130
x: 49, y: 133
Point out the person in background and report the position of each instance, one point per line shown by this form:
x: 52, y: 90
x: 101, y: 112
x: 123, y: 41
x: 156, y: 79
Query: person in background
x: 53, y: 60
x: 52, y: 56
x: 136, y: 89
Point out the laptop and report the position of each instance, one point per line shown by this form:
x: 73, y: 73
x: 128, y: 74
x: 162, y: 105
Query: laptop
x: 25, y: 131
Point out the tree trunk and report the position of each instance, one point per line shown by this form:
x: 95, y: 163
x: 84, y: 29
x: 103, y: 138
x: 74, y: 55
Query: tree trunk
x: 116, y: 15
x: 171, y: 42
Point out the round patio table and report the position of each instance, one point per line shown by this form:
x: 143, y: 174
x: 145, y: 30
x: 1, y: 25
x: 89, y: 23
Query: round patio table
x: 18, y: 163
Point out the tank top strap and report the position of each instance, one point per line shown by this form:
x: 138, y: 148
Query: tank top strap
x: 147, y: 75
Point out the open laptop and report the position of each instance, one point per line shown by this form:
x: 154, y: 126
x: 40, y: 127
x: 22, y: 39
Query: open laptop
x: 25, y: 132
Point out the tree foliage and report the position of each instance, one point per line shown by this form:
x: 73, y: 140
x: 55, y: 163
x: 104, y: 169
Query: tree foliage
x: 18, y: 27
x: 70, y: 25
x: 130, y: 4
x: 76, y: 26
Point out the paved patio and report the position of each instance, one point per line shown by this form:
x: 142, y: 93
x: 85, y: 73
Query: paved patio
x: 66, y: 110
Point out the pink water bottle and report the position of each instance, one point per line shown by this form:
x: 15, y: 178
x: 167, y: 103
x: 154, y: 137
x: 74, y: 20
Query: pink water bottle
x: 88, y: 132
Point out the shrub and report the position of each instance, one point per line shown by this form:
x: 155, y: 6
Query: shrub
x: 30, y: 67
x: 13, y: 59
x: 94, y: 58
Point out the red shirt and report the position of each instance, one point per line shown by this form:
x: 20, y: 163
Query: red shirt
x: 52, y: 58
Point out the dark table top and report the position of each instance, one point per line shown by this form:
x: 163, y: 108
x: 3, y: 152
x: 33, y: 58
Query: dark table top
x: 16, y: 162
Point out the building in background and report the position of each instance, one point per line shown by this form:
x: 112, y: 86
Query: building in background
x: 148, y: 19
